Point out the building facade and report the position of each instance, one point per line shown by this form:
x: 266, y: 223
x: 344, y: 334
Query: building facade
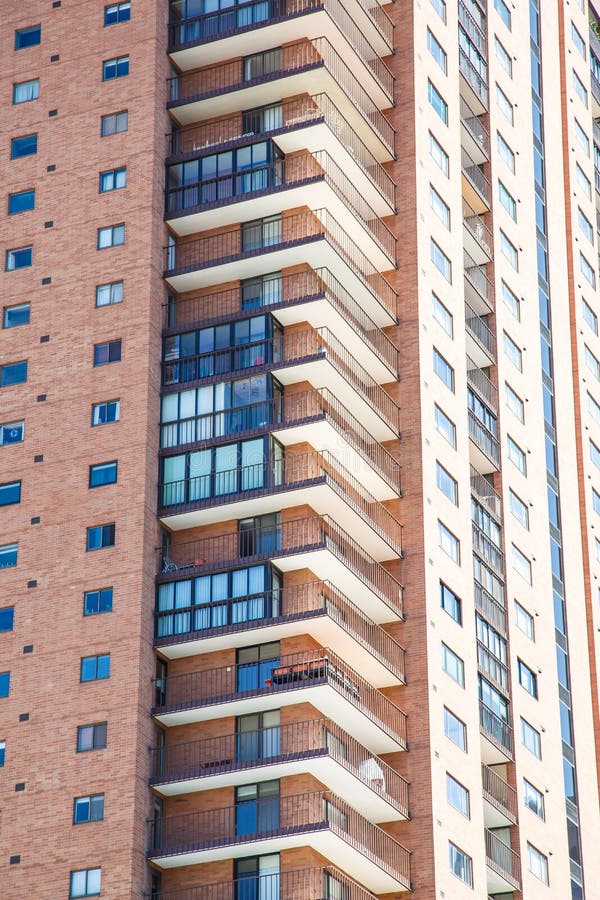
x: 298, y: 593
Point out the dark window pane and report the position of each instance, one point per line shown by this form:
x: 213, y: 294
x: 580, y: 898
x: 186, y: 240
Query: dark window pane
x: 28, y: 37
x: 23, y: 146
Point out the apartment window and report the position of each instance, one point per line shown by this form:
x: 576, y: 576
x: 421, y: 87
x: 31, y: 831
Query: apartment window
x: 580, y: 89
x: 509, y: 251
x: 4, y: 684
x: 20, y: 258
x: 443, y: 369
x: 453, y: 665
x: 531, y: 739
x: 587, y: 271
x: 527, y: 678
x: 589, y: 316
x: 504, y: 152
x: 508, y: 201
x: 437, y: 51
x: 91, y: 737
x: 88, y: 809
x: 585, y: 226
x: 455, y: 729
x: 114, y: 123
x: 106, y: 353
x: 593, y: 408
x: 103, y: 473
x: 446, y: 483
x: 514, y: 402
x: 445, y: 426
x: 9, y: 554
x: 13, y: 373
x: 103, y: 413
x: 533, y: 799
x: 85, y: 883
x: 261, y: 233
x: 117, y: 12
x: 457, y: 796
x: 578, y: 40
x: 28, y: 37
x: 112, y: 180
x: 595, y: 454
x: 450, y: 603
x: 23, y: 146
x: 591, y: 362
x: 461, y: 864
x: 504, y: 105
x: 437, y: 101
x: 516, y: 455
x: 439, y: 206
x: 95, y: 668
x: 10, y: 493
x: 504, y: 12
x: 510, y: 300
x: 96, y: 602
x: 20, y: 202
x: 521, y: 564
x: 99, y: 536
x: 115, y: 68
x: 524, y: 621
x: 439, y: 155
x: 449, y: 542
x: 441, y: 261
x: 26, y: 91
x: 12, y: 433
x: 582, y: 138
x: 113, y: 236
x: 442, y: 315
x: 7, y: 618
x: 16, y: 315
x: 519, y: 509
x: 583, y: 181
x: 2, y: 752
x: 107, y: 294
x: 440, y: 8
x: 537, y: 863
x: 596, y: 501
x: 503, y: 57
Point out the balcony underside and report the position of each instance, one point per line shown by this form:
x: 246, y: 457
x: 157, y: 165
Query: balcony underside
x: 479, y: 354
x: 493, y: 752
x: 322, y: 627
x: 480, y: 460
x: 476, y: 201
x: 313, y: 79
x: 337, y: 778
x: 495, y: 815
x: 258, y: 38
x: 499, y: 882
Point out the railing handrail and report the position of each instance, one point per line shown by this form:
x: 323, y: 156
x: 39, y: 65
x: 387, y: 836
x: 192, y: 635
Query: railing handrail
x: 482, y: 384
x: 491, y: 608
x: 473, y: 172
x: 502, y: 856
x: 489, y: 720
x: 486, y: 494
x: 475, y: 78
x: 475, y: 126
x: 483, y: 437
x: 499, y: 790
x: 480, y: 331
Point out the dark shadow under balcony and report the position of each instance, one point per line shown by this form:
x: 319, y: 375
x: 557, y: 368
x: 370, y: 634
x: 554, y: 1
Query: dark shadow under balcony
x: 490, y: 608
x: 318, y: 747
x: 500, y: 798
x: 503, y: 864
x: 318, y: 677
x: 498, y: 747
x: 318, y: 607
x: 479, y: 290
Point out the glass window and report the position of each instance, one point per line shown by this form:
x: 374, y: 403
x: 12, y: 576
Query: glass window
x: 594, y: 454
x: 99, y: 536
x: 533, y: 798
x: 443, y: 369
x: 2, y: 752
x: 583, y: 181
x: 457, y: 796
x: 113, y: 236
x: 437, y: 102
x: 580, y: 88
x: 589, y: 316
x: 106, y: 353
x: 450, y: 603
x: 445, y: 426
x: 593, y: 408
x: 446, y: 483
x: 7, y: 618
x: 449, y: 542
x: 516, y: 455
x: 440, y: 208
x: 504, y: 12
x: 582, y: 138
x: 453, y: 665
x: 26, y: 91
x: 117, y: 12
x: 16, y: 315
x: 23, y: 201
x: 20, y: 258
x: 114, y: 123
x: 437, y: 51
x: 509, y: 250
x: 537, y: 863
x: 442, y: 315
x: 455, y: 729
x: 28, y: 37
x: 578, y: 41
x: 91, y: 737
x: 519, y: 509
x: 439, y: 155
x: 95, y: 668
x: 113, y: 179
x: 103, y: 473
x: 521, y: 564
x: 514, y: 402
x: 12, y: 433
x: 503, y: 57
x: 531, y: 739
x: 585, y: 226
x: 99, y: 601
x: 85, y: 883
x: 510, y: 300
x: 591, y: 362
x: 23, y: 146
x: 504, y: 105
x: 88, y: 809
x: 102, y: 413
x: 587, y: 271
x: 504, y: 152
x: 440, y: 8
x: 4, y: 684
x: 461, y: 865
x: 508, y: 201
x: 10, y: 493
x: 512, y: 351
x: 524, y: 620
x: 107, y: 294
x: 13, y: 373
x: 115, y: 68
x: 441, y: 261
x: 527, y: 679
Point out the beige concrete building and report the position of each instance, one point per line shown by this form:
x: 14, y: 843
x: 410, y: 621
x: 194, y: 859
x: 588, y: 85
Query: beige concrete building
x: 299, y: 450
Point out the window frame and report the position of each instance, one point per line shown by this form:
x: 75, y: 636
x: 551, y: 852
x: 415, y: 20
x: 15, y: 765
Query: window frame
x: 98, y: 664
x: 16, y: 306
x: 118, y: 7
x: 23, y: 84
x: 97, y: 407
x: 107, y: 530
x: 449, y: 655
x: 118, y: 64
x: 99, y: 732
x: 462, y: 730
x: 23, y: 137
x: 106, y: 119
x: 104, y: 601
x: 94, y: 468
x: 453, y: 606
x: 31, y: 29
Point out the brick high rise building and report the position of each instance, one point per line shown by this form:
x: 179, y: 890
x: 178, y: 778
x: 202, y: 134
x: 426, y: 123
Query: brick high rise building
x: 299, y: 450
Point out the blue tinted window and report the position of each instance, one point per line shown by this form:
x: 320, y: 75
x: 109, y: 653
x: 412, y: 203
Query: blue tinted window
x: 21, y: 202
x: 4, y: 684
x: 100, y: 536
x: 95, y: 668
x: 117, y: 12
x: 19, y: 259
x: 103, y: 473
x: 23, y: 146
x: 28, y: 37
x: 7, y: 618
x: 10, y: 492
x: 16, y: 315
x: 115, y: 68
x: 8, y: 555
x: 2, y: 752
x: 97, y: 601
x: 13, y: 373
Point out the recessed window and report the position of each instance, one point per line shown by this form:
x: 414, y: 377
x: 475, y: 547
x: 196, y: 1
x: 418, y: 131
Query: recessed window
x: 443, y: 369
x: 579, y: 88
x: 20, y: 258
x: 437, y: 102
x: 96, y: 602
x: 13, y: 373
x: 91, y: 737
x: 103, y: 413
x: 439, y: 155
x: 578, y: 40
x: 457, y: 796
x: 16, y: 315
x: 461, y: 864
x: 582, y: 138
x: 23, y: 201
x: 446, y: 483
x: 510, y: 300
x: 437, y: 51
x: 4, y: 684
x: 503, y: 57
x: 589, y: 316
x: 453, y: 665
x: 596, y: 501
x: 115, y: 68
x: 113, y: 236
x: 106, y: 353
x: 440, y: 8
x: 508, y: 201
x: 527, y: 678
x: 504, y: 12
x: 591, y: 362
x: 514, y: 402
x: 113, y: 179
x: 100, y: 536
x: 531, y: 739
x: 445, y: 426
x: 583, y: 181
x: 88, y: 809
x: 10, y: 492
x: 594, y: 454
x: 28, y: 37
x: 521, y: 564
x: 504, y: 152
x: 439, y: 206
x: 537, y: 863
x: 533, y: 799
x: 516, y: 455
x: 26, y: 91
x: 441, y: 261
x: 524, y: 620
x: 117, y: 12
x: 7, y: 618
x: 519, y: 509
x: 103, y: 473
x: 114, y: 123
x: 9, y: 555
x: 449, y: 542
x: 450, y: 603
x: 442, y: 315
x: 95, y: 668
x: 585, y: 226
x: 593, y: 408
x: 509, y: 251
x: 2, y: 752
x: 587, y: 271
x: 455, y: 729
x: 108, y: 294
x: 23, y: 146
x: 504, y: 105
x: 85, y: 883
x: 12, y: 433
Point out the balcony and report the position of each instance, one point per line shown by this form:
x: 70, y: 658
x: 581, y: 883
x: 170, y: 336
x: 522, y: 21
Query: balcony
x: 482, y: 385
x: 249, y: 250
x: 500, y: 799
x: 319, y: 677
x: 473, y: 28
x: 494, y: 669
x: 261, y: 24
x: 318, y: 819
x: 503, y: 865
x: 498, y: 747
x: 481, y: 342
x: 476, y: 188
x: 479, y: 290
x: 314, y: 416
x: 484, y: 449
x: 477, y: 236
x: 314, y: 542
x: 318, y: 608
x: 294, y: 70
x: 473, y: 83
x: 317, y: 747
x: 474, y: 135
x: 595, y: 94
x: 304, y: 180
x: 488, y: 550
x: 490, y: 608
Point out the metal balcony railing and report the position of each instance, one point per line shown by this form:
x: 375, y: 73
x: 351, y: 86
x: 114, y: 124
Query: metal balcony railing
x: 484, y: 438
x: 492, y: 667
x: 594, y: 41
x: 279, y: 744
x: 502, y: 859
x: 496, y: 730
x: 280, y: 175
x: 292, y: 114
x: 475, y: 127
x: 292, y: 59
x: 475, y: 224
x: 280, y: 675
x: 298, y: 884
x: 478, y: 280
x: 303, y: 535
x: 485, y: 547
x: 499, y: 793
x: 485, y: 493
x: 473, y: 28
x: 483, y: 386
x: 595, y: 87
x: 287, y: 604
x: 491, y: 608
x: 276, y: 234
x: 480, y: 332
x: 217, y: 25
x: 473, y: 77
x: 475, y: 175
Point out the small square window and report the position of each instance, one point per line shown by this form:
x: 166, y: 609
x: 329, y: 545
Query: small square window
x: 88, y: 809
x: 106, y: 353
x: 26, y: 91
x: 9, y: 554
x: 16, y: 315
x: 117, y: 12
x: 7, y: 618
x: 450, y: 603
x: 103, y: 473
x: 85, y: 883
x: 4, y: 684
x: 10, y: 492
x: 12, y: 433
x: 100, y: 536
x: 20, y: 258
x: 113, y: 179
x: 13, y: 373
x: 91, y: 737
x: 95, y: 668
x: 114, y: 123
x: 23, y: 146
x: 96, y: 602
x: 103, y: 413
x: 115, y: 68
x: 107, y: 294
x: 28, y: 37
x: 23, y: 201
x: 113, y: 236
x: 533, y: 799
